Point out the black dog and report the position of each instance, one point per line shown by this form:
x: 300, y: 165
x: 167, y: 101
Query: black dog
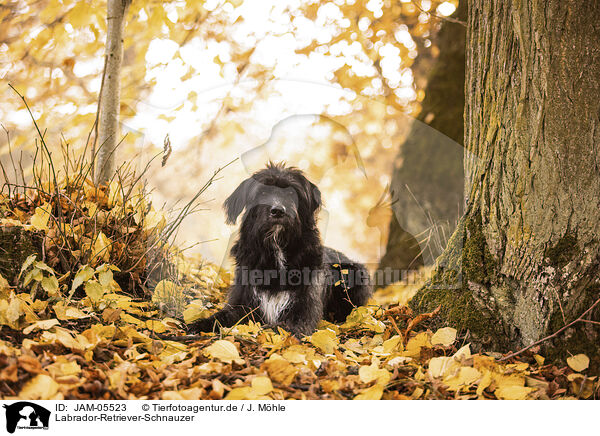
x: 284, y: 275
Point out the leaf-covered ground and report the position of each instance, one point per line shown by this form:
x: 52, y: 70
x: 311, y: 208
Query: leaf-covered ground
x: 80, y: 321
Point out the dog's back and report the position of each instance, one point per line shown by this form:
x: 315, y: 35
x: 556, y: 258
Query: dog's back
x: 348, y: 285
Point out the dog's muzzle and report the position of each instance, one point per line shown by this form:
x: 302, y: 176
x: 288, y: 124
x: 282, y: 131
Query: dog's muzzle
x: 277, y: 211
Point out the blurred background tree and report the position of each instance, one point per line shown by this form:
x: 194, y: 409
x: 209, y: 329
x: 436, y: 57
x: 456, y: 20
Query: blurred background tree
x: 428, y: 175
x: 218, y: 76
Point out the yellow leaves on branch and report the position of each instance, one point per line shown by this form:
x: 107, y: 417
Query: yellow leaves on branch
x: 362, y: 318
x: 101, y: 248
x: 39, y: 220
x: 84, y: 274
x: 97, y: 282
x: 39, y: 274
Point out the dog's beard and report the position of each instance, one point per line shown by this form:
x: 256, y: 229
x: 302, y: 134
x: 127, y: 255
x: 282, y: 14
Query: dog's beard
x: 273, y: 238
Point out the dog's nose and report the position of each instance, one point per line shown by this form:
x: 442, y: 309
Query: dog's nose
x: 277, y: 211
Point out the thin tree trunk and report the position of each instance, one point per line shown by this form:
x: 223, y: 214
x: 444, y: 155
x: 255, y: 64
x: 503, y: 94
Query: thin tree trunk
x: 427, y: 182
x: 529, y: 243
x: 109, y: 101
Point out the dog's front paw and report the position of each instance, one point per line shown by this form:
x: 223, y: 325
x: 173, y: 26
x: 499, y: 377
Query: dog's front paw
x: 290, y: 329
x: 297, y: 331
x: 202, y: 325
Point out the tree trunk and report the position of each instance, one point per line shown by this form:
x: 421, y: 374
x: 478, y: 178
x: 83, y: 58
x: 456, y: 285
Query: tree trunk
x: 529, y: 242
x: 427, y: 183
x: 111, y: 90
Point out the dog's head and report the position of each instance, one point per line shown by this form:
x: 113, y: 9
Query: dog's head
x: 274, y: 199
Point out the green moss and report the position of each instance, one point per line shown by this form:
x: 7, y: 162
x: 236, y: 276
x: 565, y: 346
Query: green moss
x: 460, y: 310
x: 565, y: 249
x: 450, y: 290
x: 477, y: 261
x: 464, y: 308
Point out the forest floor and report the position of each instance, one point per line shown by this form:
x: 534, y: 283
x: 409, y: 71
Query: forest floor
x: 82, y: 311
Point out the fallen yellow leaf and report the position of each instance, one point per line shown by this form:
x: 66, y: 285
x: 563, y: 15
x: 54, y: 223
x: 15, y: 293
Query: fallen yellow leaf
x: 441, y: 366
x: 414, y: 345
x: 325, y: 340
x: 512, y: 392
x: 539, y: 359
x: 372, y: 372
x: 65, y: 312
x: 466, y: 376
x: 373, y: 393
x: 239, y: 393
x: 223, y: 350
x: 280, y: 370
x: 41, y: 325
x: 261, y: 385
x: 579, y: 362
x: 40, y: 387
x: 444, y: 336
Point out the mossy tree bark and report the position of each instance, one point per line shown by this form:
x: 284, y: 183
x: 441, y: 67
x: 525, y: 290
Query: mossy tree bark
x: 529, y: 242
x: 425, y: 170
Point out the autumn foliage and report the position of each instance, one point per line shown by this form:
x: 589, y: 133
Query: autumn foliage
x: 83, y: 318
x: 91, y: 279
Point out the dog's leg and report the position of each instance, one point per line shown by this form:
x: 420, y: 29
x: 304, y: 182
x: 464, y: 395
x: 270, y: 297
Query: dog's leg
x: 302, y: 322
x: 306, y: 311
x: 350, y: 289
x: 227, y: 317
x: 240, y: 306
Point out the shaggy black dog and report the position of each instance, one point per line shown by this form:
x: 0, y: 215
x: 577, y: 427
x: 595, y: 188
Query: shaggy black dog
x: 284, y: 275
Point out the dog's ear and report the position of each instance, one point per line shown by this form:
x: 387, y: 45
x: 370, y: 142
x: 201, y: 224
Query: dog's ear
x: 315, y: 197
x: 237, y: 201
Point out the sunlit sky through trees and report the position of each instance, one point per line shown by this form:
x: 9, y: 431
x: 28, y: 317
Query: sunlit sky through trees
x: 218, y: 77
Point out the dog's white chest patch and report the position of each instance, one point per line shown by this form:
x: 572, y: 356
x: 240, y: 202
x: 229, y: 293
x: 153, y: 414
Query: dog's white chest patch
x: 272, y: 305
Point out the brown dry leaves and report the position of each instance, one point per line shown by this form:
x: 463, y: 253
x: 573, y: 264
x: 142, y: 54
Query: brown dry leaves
x: 80, y: 335
x: 104, y: 348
